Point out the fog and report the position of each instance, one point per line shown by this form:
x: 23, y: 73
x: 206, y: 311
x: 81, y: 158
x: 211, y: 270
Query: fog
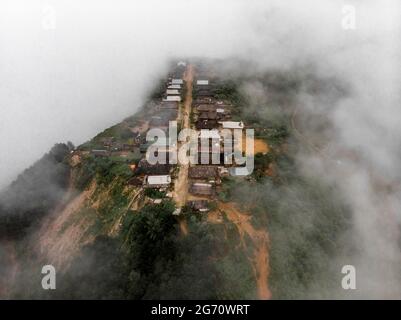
x: 93, y: 63
x: 70, y: 69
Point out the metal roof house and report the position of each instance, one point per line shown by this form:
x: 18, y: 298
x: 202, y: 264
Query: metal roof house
x: 158, y: 181
x: 172, y: 92
x: 177, y: 81
x: 205, y: 189
x: 172, y: 98
x: 174, y: 86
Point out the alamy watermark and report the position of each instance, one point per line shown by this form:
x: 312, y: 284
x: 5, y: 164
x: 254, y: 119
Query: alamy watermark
x: 224, y: 146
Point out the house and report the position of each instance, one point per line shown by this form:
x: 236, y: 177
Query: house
x: 172, y: 92
x: 199, y: 205
x: 204, y: 100
x: 208, y: 115
x: 206, y: 108
x: 204, y: 189
x: 177, y: 81
x: 107, y: 141
x: 172, y: 98
x: 232, y: 124
x: 202, y: 172
x: 158, y: 181
x: 174, y: 86
x: 100, y: 153
x: 202, y: 82
x: 204, y: 93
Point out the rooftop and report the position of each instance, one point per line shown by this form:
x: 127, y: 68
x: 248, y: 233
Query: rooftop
x: 158, y: 180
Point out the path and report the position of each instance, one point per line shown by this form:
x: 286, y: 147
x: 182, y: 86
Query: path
x: 181, y: 183
x: 260, y: 240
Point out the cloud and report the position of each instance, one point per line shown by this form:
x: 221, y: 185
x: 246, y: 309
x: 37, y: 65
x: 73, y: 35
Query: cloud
x: 96, y: 66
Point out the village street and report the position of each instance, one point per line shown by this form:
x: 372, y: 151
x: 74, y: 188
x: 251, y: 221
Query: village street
x: 181, y: 183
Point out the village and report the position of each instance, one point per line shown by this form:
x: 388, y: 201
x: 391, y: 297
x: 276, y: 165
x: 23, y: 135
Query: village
x: 188, y: 98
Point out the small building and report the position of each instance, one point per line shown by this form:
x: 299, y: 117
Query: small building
x: 204, y: 93
x: 208, y: 115
x: 204, y: 189
x: 168, y: 105
x: 199, y: 205
x: 232, y: 124
x: 204, y: 100
x: 158, y: 181
x: 202, y: 82
x: 177, y: 81
x: 203, y: 172
x: 172, y: 98
x: 172, y: 92
x: 206, y: 108
x: 107, y: 141
x: 174, y: 87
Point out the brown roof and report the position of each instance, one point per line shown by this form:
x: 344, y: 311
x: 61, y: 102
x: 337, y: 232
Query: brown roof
x: 199, y: 172
x: 200, y: 205
x: 211, y: 115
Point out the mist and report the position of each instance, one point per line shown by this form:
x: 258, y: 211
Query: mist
x: 96, y: 64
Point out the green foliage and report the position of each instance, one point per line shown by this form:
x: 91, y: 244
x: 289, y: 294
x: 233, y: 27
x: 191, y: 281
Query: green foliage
x: 154, y: 193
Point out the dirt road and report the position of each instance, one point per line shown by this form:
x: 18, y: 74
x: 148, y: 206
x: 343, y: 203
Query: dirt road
x: 181, y: 184
x: 260, y: 240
